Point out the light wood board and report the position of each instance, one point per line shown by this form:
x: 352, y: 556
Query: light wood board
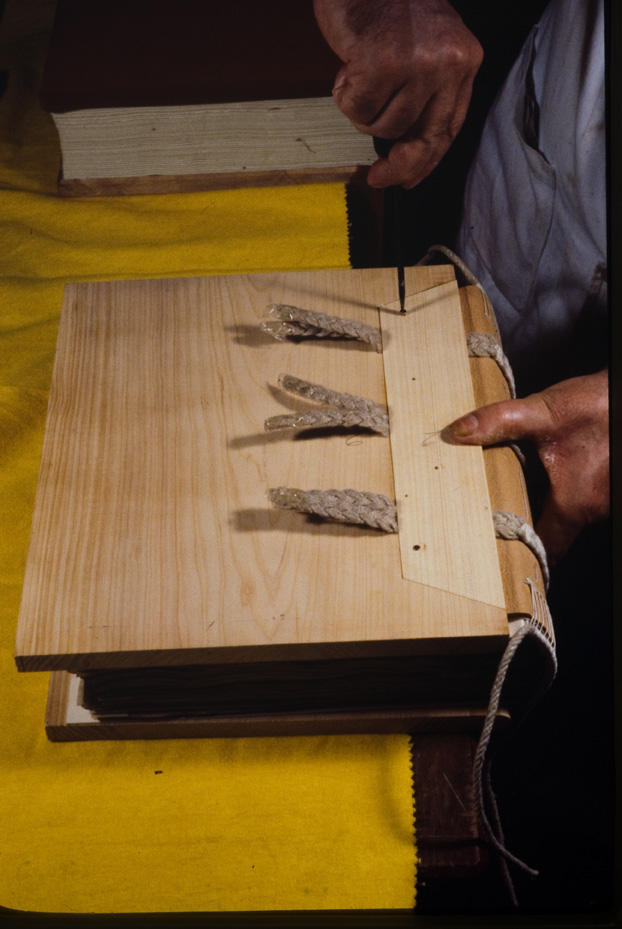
x: 153, y: 541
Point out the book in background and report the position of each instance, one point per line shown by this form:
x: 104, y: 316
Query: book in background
x: 156, y: 96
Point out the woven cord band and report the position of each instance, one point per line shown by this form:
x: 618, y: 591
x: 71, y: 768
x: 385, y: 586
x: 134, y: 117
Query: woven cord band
x: 287, y: 321
x: 347, y: 506
x: 346, y: 410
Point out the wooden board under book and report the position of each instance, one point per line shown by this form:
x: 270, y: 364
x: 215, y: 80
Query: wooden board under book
x: 154, y: 547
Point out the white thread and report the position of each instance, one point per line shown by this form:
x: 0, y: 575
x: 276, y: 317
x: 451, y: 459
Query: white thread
x: 541, y: 618
x: 481, y: 766
x: 455, y: 260
x: 518, y: 452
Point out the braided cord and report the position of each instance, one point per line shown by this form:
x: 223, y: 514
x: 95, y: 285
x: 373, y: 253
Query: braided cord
x: 348, y: 506
x: 288, y: 320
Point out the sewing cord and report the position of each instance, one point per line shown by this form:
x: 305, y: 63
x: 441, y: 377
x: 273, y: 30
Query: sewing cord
x: 484, y: 345
x: 350, y: 506
x: 482, y: 786
x: 512, y: 526
x: 455, y: 260
x: 345, y: 410
x: 287, y: 321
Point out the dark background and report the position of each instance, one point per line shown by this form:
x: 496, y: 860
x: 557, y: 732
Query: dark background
x: 555, y: 779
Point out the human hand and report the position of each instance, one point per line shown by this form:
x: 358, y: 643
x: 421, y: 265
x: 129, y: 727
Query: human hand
x: 408, y: 71
x: 569, y: 425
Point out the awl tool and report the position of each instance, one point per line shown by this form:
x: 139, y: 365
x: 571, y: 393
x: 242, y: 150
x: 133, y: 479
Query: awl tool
x: 393, y: 205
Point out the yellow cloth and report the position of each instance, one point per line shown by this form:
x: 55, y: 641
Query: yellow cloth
x: 182, y: 826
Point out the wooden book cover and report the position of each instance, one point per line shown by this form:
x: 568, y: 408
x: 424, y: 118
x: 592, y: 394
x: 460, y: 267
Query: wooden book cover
x: 144, y: 91
x: 157, y: 564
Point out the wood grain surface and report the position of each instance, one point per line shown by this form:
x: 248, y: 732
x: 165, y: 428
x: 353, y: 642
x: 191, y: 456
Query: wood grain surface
x: 268, y: 136
x: 447, y: 536
x: 153, y: 542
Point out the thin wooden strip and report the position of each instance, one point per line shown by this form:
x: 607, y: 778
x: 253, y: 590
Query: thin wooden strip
x: 447, y: 537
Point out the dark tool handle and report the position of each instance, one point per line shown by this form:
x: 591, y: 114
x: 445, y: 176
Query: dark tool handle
x: 382, y: 147
x: 392, y: 203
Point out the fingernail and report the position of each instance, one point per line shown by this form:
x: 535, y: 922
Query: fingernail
x: 464, y: 427
x: 340, y: 82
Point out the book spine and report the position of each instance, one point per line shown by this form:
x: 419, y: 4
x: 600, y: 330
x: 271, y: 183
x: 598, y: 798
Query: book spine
x: 504, y: 471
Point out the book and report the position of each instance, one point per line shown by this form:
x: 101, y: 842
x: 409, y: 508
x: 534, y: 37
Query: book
x: 167, y: 594
x: 156, y: 96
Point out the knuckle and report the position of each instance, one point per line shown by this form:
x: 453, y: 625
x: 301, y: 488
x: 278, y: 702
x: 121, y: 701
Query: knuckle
x: 357, y: 101
x: 460, y: 56
x: 358, y: 108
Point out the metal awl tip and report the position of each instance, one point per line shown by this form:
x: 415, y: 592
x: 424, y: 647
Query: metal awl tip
x: 401, y: 286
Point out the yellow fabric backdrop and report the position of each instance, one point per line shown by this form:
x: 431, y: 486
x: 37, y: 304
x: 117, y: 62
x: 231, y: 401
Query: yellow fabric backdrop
x: 182, y: 826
